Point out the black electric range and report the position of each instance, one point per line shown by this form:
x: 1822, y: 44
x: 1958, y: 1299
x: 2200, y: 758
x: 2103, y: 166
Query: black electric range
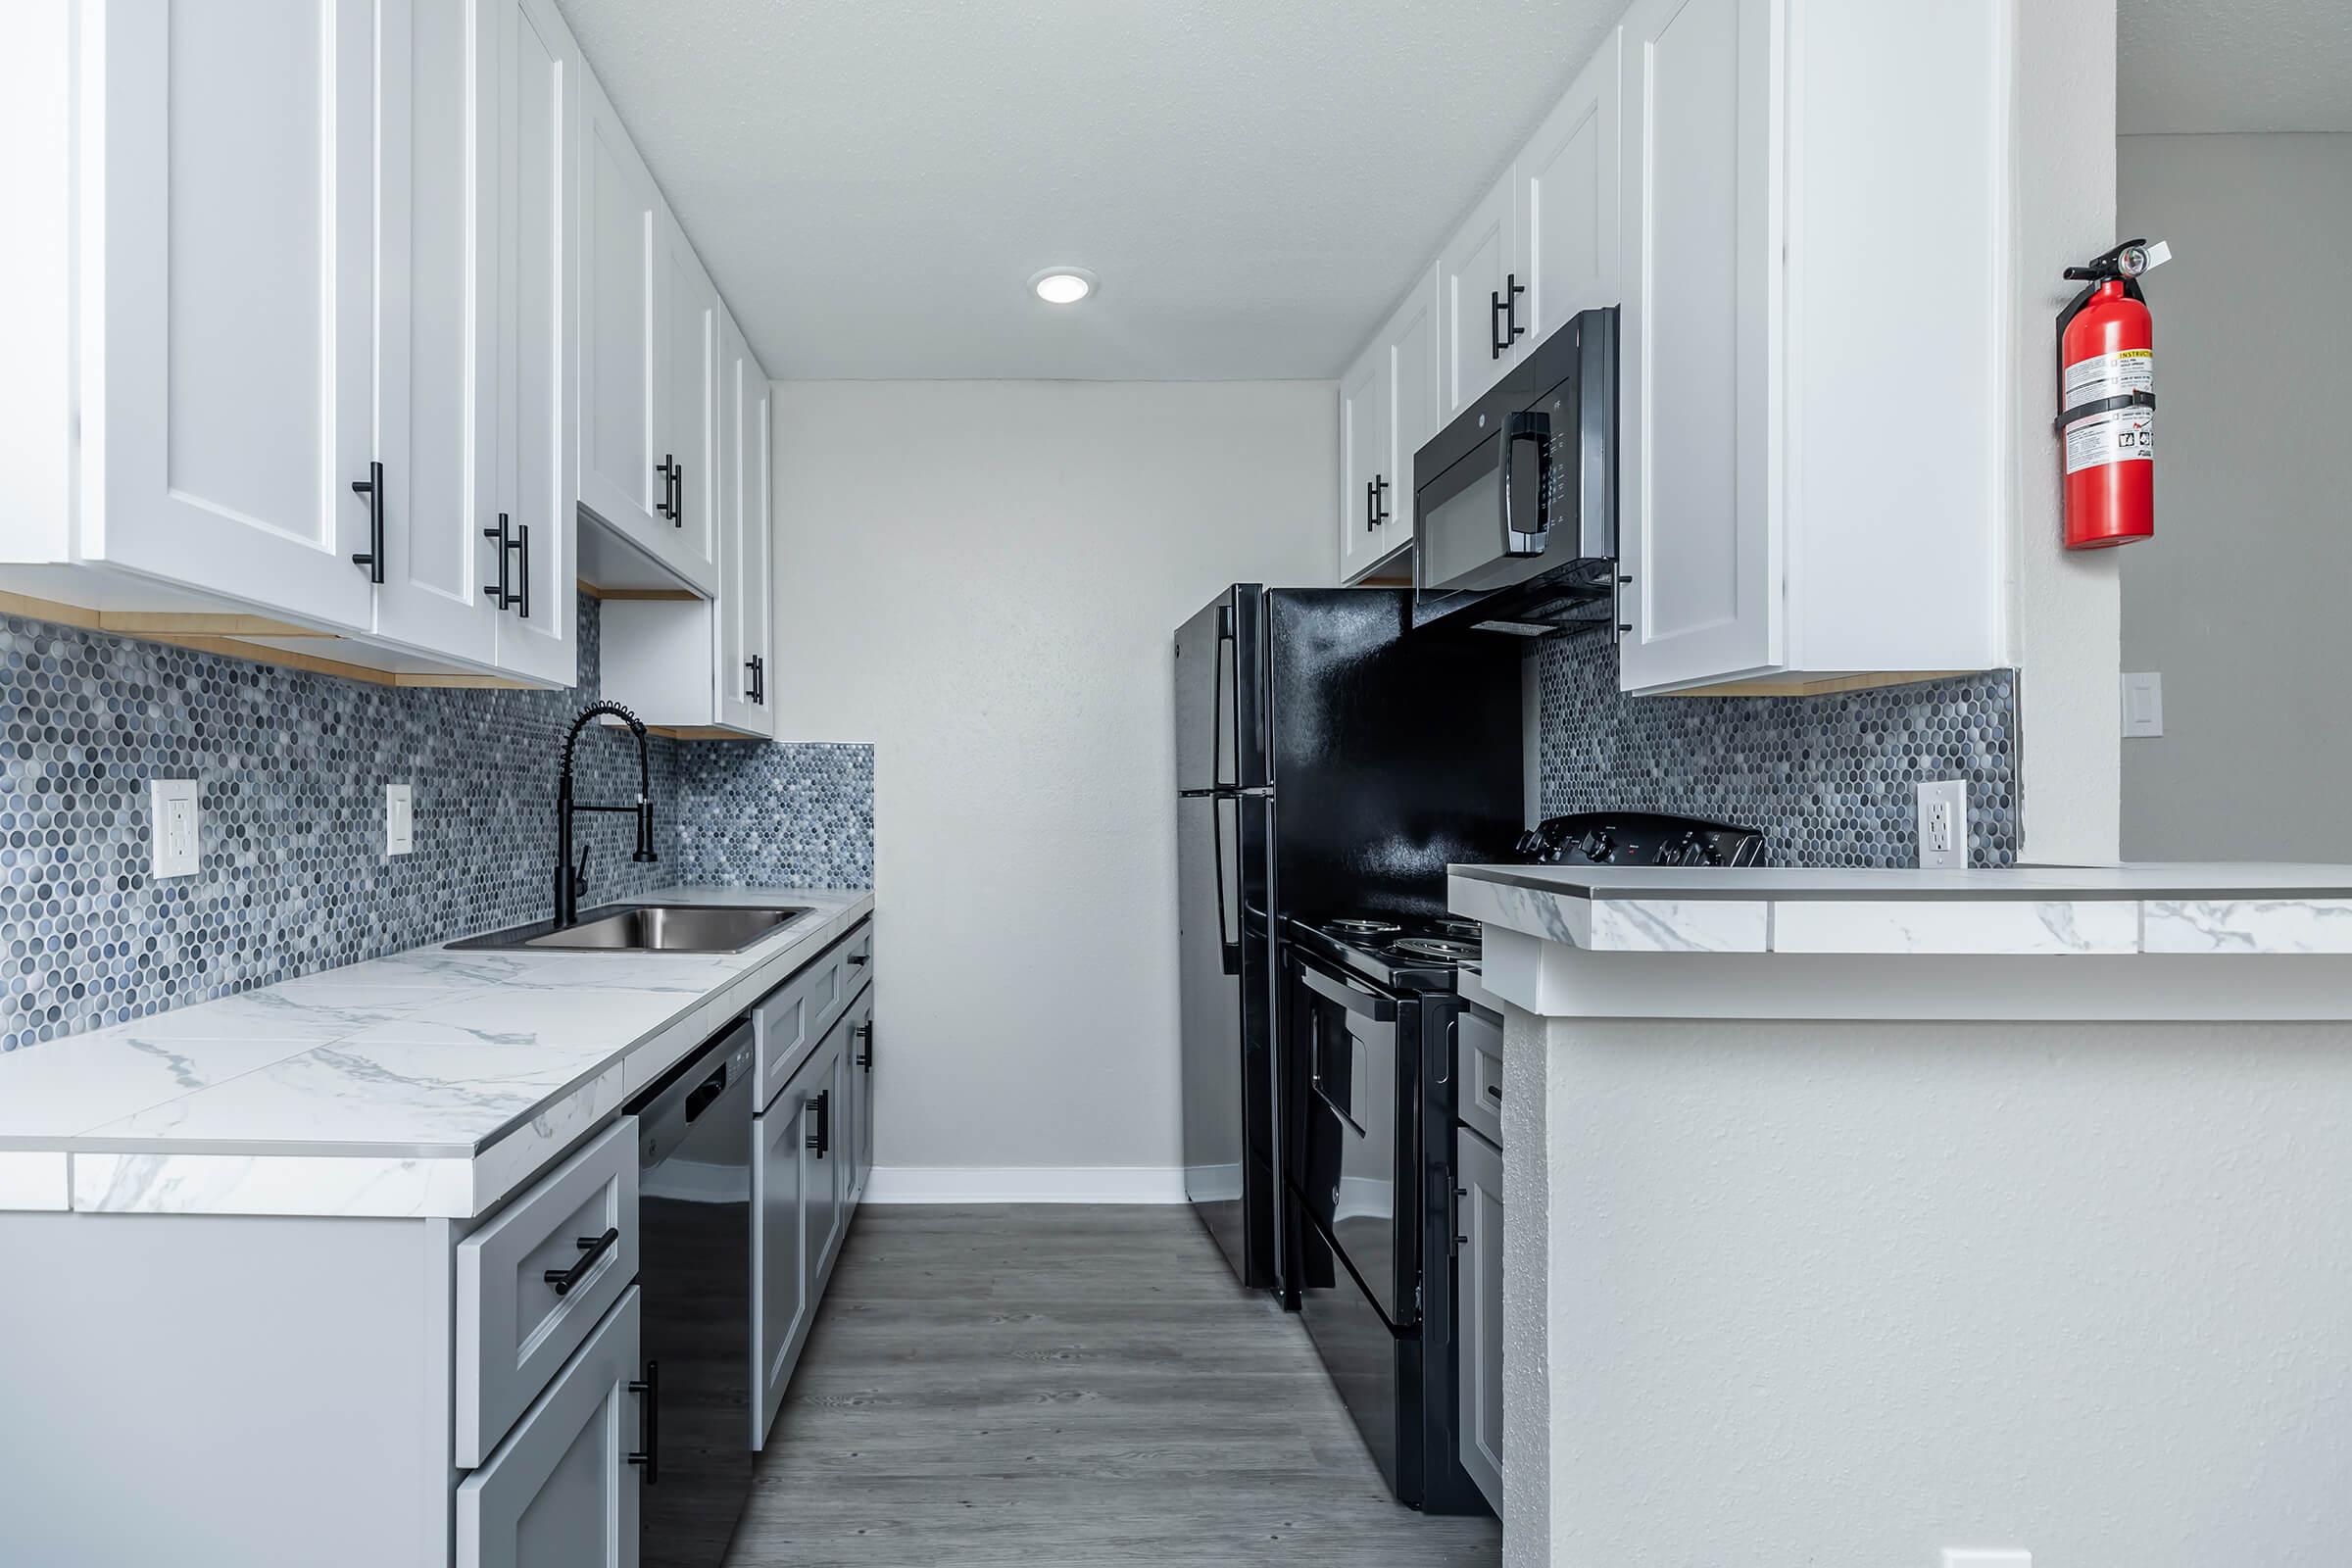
x: 1373, y: 1004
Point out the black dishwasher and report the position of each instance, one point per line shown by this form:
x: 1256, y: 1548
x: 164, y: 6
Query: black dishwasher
x: 694, y: 1222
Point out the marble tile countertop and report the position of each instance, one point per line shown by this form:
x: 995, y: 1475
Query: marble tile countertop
x: 2143, y: 909
x: 430, y: 1083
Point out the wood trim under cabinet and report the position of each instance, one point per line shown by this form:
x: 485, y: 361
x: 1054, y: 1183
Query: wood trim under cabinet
x: 1818, y: 685
x: 697, y: 732
x: 659, y: 595
x: 206, y: 633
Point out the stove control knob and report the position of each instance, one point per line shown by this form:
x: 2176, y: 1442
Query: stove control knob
x: 1531, y: 845
x: 1596, y: 846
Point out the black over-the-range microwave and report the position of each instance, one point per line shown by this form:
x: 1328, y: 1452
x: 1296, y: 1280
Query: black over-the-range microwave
x: 1515, y: 501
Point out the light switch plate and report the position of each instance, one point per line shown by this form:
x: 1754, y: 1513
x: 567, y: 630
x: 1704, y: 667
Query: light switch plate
x: 1965, y: 1557
x: 175, y: 826
x: 1944, y: 826
x: 400, y: 819
x: 2143, y: 705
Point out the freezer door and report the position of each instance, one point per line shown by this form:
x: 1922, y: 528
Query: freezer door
x: 1220, y: 722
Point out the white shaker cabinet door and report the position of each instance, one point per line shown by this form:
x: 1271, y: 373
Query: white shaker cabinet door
x: 687, y: 417
x: 1567, y: 212
x: 620, y: 239
x: 1412, y: 337
x: 538, y: 365
x: 1476, y: 299
x: 743, y: 540
x: 235, y: 279
x: 1699, y: 511
x: 437, y: 412
x: 755, y: 578
x: 560, y: 1492
x: 1367, y: 424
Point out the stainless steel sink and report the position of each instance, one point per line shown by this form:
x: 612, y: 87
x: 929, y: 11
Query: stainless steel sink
x: 648, y: 929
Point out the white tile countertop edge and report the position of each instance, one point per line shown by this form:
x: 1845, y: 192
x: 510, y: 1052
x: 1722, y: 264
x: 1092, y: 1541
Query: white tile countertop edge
x: 2027, y: 910
x: 428, y: 1083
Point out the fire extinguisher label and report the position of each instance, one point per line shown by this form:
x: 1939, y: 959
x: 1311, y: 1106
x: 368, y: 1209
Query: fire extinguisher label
x: 2119, y: 435
x: 2109, y: 375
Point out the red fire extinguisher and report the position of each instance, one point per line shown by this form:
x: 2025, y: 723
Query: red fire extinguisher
x: 2107, y: 400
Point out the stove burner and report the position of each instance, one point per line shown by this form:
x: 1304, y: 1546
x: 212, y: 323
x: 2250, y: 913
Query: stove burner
x: 1461, y: 930
x: 1442, y: 949
x: 1363, y: 928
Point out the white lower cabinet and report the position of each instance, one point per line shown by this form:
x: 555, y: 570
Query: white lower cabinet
x: 781, y: 1299
x: 1478, y: 1310
x: 560, y: 1492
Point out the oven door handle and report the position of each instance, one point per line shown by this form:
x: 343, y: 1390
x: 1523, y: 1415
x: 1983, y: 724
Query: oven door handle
x: 1363, y: 1004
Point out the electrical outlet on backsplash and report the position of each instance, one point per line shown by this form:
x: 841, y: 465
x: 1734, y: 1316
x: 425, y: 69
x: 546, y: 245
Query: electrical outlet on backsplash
x: 292, y: 767
x: 1829, y: 780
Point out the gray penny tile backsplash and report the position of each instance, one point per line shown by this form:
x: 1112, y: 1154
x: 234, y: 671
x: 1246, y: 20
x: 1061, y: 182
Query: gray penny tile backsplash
x: 1828, y: 780
x: 292, y: 769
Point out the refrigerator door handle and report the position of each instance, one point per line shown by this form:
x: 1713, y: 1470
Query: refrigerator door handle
x: 1229, y: 950
x: 1229, y: 658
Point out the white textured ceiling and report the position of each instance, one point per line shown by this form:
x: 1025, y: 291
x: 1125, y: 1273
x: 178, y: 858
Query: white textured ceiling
x: 871, y: 182
x: 2186, y: 66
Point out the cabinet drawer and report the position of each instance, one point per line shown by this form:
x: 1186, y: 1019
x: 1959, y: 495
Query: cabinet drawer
x: 514, y: 1325
x: 793, y: 1019
x: 562, y: 1488
x: 1478, y: 1075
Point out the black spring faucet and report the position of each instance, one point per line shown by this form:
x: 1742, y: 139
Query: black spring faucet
x: 570, y: 877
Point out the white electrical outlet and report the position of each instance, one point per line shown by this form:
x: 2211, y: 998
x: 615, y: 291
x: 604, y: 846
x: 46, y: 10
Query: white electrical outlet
x: 2143, y: 705
x: 1944, y: 824
x: 1969, y: 1557
x: 175, y: 826
x: 400, y: 820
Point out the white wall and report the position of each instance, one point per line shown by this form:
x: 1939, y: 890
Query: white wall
x: 2240, y: 600
x: 984, y: 578
x: 2067, y: 603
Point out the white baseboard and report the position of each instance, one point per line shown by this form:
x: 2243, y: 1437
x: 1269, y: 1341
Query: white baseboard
x: 1025, y: 1184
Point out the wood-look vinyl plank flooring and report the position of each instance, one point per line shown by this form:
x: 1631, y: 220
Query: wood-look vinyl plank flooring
x: 1053, y: 1386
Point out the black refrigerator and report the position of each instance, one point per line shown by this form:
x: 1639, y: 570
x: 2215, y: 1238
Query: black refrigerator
x: 1329, y: 762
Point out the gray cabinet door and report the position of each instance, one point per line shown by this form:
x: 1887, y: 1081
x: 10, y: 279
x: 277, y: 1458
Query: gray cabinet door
x: 781, y: 1300
x: 561, y: 1492
x: 823, y: 1187
x: 1478, y: 1196
x: 861, y: 1093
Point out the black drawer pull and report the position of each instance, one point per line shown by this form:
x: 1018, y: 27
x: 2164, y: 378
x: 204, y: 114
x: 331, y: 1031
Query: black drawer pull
x: 865, y: 1032
x: 858, y: 961
x: 1495, y: 1093
x: 591, y: 1248
x: 650, y: 1455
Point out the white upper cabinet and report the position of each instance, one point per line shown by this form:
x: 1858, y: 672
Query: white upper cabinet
x: 1565, y: 204
x: 1482, y: 307
x: 684, y: 409
x: 1365, y: 427
x: 1799, y: 435
x: 230, y: 283
x: 620, y: 229
x: 740, y: 482
x: 538, y: 362
x: 1696, y: 527
x: 1388, y: 406
x: 438, y: 414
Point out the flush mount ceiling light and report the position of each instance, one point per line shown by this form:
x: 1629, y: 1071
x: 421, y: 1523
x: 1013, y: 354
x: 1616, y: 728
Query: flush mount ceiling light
x: 1063, y: 286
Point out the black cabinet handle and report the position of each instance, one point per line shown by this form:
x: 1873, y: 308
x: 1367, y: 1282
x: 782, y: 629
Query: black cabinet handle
x: 822, y: 1140
x: 678, y: 495
x: 865, y: 1032
x: 756, y: 667
x: 523, y: 549
x: 1371, y: 506
x: 501, y: 593
x: 650, y: 1455
x: 1379, y: 498
x: 1502, y: 315
x: 592, y: 1247
x: 858, y: 961
x: 372, y: 559
x: 667, y: 468
x: 1495, y: 1093
x: 1453, y: 1218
